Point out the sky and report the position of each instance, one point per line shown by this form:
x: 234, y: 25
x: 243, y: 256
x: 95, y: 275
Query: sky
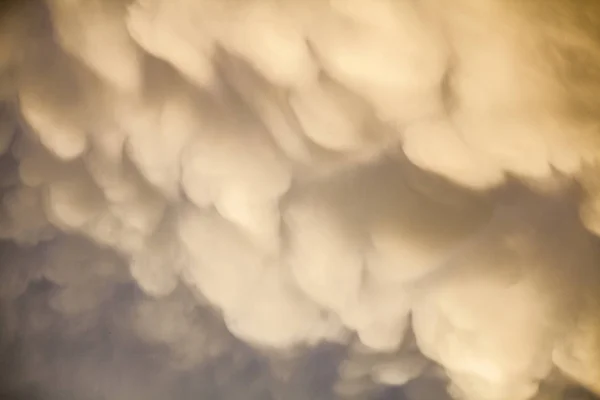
x: 299, y: 200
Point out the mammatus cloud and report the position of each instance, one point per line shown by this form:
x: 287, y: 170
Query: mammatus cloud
x: 285, y: 199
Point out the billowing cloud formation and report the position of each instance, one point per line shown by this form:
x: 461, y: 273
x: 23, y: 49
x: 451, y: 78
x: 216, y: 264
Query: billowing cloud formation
x: 285, y: 199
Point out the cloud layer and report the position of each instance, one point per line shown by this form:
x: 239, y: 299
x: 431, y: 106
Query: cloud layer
x: 282, y: 199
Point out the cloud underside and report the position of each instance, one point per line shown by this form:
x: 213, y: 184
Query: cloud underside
x: 284, y: 199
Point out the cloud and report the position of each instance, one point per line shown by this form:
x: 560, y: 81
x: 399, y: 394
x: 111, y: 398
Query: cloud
x: 285, y: 199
